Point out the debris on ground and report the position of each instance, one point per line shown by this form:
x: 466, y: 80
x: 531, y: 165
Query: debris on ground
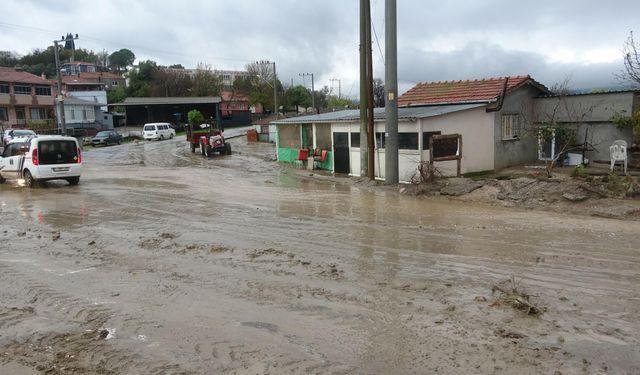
x: 512, y: 295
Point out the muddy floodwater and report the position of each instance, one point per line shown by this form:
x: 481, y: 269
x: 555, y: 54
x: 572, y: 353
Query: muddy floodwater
x: 163, y: 262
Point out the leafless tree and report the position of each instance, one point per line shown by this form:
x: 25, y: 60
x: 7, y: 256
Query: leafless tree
x: 560, y: 123
x: 631, y: 55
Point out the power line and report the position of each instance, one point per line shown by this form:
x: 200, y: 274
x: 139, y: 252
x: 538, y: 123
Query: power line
x: 373, y: 24
x: 12, y: 26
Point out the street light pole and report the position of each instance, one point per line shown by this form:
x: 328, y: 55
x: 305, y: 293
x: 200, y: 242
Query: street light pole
x: 59, y: 96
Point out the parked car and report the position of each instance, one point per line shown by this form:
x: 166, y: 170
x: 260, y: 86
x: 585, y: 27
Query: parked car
x: 41, y: 158
x: 158, y: 130
x: 106, y: 138
x: 10, y: 134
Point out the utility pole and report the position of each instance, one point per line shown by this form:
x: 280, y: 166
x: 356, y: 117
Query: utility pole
x: 364, y: 159
x: 391, y: 88
x: 313, y: 91
x: 370, y: 126
x: 275, y: 91
x: 59, y: 96
x: 339, y: 88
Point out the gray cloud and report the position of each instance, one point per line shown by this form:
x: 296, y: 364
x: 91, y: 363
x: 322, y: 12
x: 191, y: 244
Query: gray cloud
x: 437, y: 40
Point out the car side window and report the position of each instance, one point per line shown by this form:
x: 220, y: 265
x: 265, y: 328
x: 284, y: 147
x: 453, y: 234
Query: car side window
x: 7, y: 151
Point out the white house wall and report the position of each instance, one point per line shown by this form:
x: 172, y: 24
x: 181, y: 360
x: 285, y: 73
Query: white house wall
x: 477, y: 130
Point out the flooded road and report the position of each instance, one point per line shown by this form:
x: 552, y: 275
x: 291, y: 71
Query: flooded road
x: 163, y: 262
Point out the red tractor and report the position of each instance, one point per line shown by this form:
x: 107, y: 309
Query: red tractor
x: 208, y: 138
x: 214, y: 142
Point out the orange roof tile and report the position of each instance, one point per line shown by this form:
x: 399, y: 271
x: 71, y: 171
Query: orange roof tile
x: 471, y: 91
x: 20, y: 76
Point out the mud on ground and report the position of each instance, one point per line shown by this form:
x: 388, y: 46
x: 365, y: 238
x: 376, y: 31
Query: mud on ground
x: 163, y: 262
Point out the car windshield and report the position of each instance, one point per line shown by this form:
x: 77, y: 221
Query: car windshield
x: 102, y: 134
x: 149, y: 127
x: 22, y: 133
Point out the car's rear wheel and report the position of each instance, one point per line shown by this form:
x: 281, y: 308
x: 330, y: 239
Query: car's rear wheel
x: 227, y: 148
x: 161, y: 137
x: 207, y: 150
x: 29, y: 181
x: 193, y: 147
x: 171, y: 136
x: 73, y: 180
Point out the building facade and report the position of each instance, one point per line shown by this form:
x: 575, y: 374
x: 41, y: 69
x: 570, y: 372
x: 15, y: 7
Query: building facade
x: 26, y: 100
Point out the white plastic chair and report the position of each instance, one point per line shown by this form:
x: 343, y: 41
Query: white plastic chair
x: 618, y: 151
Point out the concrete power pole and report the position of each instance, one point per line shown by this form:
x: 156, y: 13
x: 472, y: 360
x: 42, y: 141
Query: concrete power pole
x: 364, y: 159
x: 339, y: 88
x: 313, y: 91
x: 60, y: 97
x: 370, y: 125
x: 391, y: 88
x: 275, y: 91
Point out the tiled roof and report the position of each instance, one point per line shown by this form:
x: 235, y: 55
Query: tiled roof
x: 168, y: 100
x: 471, y: 91
x: 20, y: 76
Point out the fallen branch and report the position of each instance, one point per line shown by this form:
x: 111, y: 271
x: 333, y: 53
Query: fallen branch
x: 516, y: 298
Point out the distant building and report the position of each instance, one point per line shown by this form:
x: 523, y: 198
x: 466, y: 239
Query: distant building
x: 26, y: 100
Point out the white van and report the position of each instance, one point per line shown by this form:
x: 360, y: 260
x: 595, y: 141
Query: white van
x: 158, y: 130
x: 41, y: 158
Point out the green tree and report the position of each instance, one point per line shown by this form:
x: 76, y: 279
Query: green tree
x: 117, y: 95
x: 121, y: 59
x: 195, y: 117
x: 339, y: 103
x: 171, y: 82
x: 299, y: 96
x: 8, y: 58
x: 140, y: 78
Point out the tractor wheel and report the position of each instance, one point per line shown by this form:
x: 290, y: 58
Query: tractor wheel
x: 29, y: 181
x: 202, y: 148
x: 207, y: 150
x: 227, y: 148
x: 193, y: 147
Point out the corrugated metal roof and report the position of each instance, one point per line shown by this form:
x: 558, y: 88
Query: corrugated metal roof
x: 406, y: 113
x: 169, y: 100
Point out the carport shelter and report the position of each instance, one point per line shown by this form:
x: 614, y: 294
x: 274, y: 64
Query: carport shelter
x: 140, y: 111
x: 339, y: 134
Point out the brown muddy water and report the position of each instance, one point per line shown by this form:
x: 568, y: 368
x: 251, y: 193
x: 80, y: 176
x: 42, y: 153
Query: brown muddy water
x: 163, y: 262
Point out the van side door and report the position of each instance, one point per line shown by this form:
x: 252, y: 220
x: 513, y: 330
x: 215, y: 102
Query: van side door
x: 10, y: 162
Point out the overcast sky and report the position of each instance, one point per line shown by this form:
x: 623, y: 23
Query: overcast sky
x: 437, y: 40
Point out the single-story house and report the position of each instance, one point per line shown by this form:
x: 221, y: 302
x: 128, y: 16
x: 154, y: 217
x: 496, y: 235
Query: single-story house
x: 484, y: 112
x: 496, y: 119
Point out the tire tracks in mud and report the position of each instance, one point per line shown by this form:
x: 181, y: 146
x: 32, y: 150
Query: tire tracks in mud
x: 83, y: 346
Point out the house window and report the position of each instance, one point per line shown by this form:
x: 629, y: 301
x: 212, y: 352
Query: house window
x: 73, y: 114
x: 43, y: 91
x: 20, y: 113
x: 355, y: 139
x: 426, y: 138
x: 22, y: 90
x: 4, y: 88
x: 510, y: 126
x: 264, y: 129
x: 114, y: 83
x: 84, y: 114
x: 380, y: 141
x: 408, y: 141
x: 37, y: 113
x: 4, y: 114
